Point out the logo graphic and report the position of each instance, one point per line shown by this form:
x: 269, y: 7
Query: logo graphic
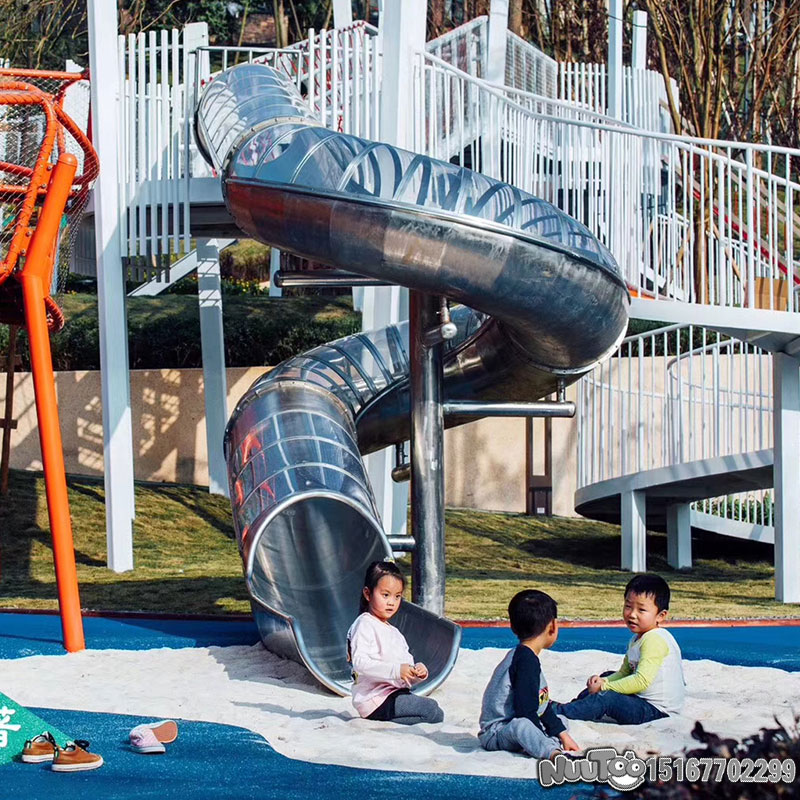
x: 602, y: 765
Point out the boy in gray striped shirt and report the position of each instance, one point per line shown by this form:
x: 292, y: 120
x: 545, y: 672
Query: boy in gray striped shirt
x: 516, y: 714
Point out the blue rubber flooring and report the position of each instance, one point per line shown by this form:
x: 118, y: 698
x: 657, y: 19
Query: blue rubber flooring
x: 212, y: 761
x: 218, y: 761
x: 40, y: 634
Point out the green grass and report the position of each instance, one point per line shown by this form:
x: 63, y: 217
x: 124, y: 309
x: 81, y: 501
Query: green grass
x: 187, y: 561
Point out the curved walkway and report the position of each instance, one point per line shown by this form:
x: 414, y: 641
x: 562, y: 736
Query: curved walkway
x: 658, y: 499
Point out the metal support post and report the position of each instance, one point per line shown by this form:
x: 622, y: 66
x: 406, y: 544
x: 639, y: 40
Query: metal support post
x: 634, y: 530
x: 401, y: 37
x: 639, y: 51
x: 342, y: 13
x: 679, y: 536
x: 498, y: 35
x: 615, y: 58
x: 117, y: 424
x: 212, y: 343
x: 786, y: 471
x: 427, y: 456
x: 274, y: 269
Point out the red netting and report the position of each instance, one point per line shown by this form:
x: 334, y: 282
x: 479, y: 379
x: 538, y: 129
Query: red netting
x: 42, y: 115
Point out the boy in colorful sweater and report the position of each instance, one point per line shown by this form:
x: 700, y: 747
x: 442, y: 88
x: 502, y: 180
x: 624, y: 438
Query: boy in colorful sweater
x: 649, y: 685
x: 517, y: 714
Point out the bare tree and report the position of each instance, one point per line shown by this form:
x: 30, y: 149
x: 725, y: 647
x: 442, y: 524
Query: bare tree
x: 729, y: 58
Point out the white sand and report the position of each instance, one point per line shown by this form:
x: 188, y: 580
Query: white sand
x: 251, y: 688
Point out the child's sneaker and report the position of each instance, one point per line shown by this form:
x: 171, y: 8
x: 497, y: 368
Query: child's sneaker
x: 144, y: 740
x: 39, y: 749
x: 75, y: 758
x: 165, y: 731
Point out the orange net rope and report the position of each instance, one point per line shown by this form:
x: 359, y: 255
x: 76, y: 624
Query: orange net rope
x: 42, y: 115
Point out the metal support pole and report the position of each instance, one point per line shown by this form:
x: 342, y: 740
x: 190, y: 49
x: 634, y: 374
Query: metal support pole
x: 679, y: 536
x: 634, y: 531
x: 786, y: 469
x: 401, y: 36
x: 498, y: 30
x: 212, y: 343
x: 274, y: 268
x: 427, y: 456
x: 342, y: 13
x: 117, y: 422
x: 615, y: 58
x: 639, y: 50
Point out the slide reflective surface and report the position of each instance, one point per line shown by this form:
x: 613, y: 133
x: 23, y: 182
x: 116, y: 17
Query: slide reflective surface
x: 542, y: 303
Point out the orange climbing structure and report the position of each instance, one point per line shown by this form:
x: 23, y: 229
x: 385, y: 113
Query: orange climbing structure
x: 47, y: 165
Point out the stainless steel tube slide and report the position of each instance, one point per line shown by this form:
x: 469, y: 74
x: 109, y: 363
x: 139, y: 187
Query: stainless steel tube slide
x: 542, y: 303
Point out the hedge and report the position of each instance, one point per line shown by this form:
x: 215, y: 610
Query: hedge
x: 164, y: 332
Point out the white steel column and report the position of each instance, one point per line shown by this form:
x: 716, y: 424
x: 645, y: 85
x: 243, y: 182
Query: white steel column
x: 342, y: 13
x: 112, y: 319
x: 498, y: 27
x: 402, y: 27
x: 615, y: 58
x: 679, y: 536
x: 634, y: 543
x: 639, y: 51
x: 786, y: 472
x: 212, y: 343
x: 274, y: 266
x: 496, y: 74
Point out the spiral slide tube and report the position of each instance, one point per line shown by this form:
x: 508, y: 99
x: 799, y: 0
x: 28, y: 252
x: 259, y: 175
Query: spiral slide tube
x: 549, y: 304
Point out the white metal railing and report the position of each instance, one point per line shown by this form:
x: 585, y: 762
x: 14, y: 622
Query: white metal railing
x: 337, y: 71
x: 701, y: 221
x: 465, y: 47
x: 153, y: 136
x: 161, y: 74
x: 529, y: 69
x: 674, y: 395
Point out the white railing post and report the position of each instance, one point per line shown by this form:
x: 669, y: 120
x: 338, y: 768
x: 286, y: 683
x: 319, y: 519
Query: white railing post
x: 212, y: 344
x: 615, y: 58
x: 750, y: 199
x: 112, y: 318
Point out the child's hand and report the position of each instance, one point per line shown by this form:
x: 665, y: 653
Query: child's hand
x: 568, y: 743
x: 594, y: 684
x: 420, y: 670
x: 407, y: 674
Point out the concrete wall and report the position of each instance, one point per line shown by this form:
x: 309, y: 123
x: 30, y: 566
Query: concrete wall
x: 485, y: 460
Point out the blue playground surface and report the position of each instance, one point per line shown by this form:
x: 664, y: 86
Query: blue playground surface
x: 40, y: 634
x: 220, y: 761
x: 217, y: 761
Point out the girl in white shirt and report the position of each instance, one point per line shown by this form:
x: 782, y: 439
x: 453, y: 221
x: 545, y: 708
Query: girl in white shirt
x: 383, y: 668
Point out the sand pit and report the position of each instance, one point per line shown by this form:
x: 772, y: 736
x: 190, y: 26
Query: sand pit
x: 251, y: 688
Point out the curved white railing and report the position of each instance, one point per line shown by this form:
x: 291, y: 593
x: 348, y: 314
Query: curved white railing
x: 674, y: 395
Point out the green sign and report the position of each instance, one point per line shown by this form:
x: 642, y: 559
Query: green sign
x: 17, y: 725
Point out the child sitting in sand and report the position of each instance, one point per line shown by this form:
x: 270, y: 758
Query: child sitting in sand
x: 649, y: 685
x: 383, y: 667
x: 517, y: 714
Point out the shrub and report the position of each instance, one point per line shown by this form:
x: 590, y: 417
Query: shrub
x: 164, y: 332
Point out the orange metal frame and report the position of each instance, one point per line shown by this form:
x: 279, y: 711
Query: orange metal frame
x: 46, y: 188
